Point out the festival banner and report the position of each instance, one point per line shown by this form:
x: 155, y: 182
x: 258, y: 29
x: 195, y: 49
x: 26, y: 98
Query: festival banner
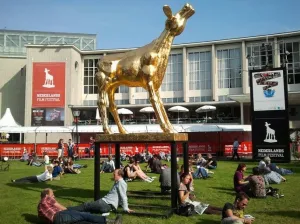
x: 48, y: 84
x: 270, y: 117
x: 15, y: 150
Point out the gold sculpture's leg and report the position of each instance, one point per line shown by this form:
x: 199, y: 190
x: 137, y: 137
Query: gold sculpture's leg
x: 163, y: 111
x: 100, y: 79
x: 113, y: 110
x: 155, y: 104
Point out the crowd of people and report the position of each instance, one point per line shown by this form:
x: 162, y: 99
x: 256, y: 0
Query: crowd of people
x: 256, y: 185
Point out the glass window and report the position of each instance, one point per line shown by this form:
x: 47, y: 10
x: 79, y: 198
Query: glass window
x: 229, y: 68
x: 90, y: 68
x: 260, y: 55
x: 289, y: 54
x: 173, y: 80
x: 199, y: 70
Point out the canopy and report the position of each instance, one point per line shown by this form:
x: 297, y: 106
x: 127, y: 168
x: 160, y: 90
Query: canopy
x: 124, y: 111
x: 205, y: 108
x: 97, y: 114
x: 178, y: 109
x: 147, y: 110
x: 8, y: 120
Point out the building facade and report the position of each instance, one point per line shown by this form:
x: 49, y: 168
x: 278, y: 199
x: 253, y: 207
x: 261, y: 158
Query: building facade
x: 205, y: 73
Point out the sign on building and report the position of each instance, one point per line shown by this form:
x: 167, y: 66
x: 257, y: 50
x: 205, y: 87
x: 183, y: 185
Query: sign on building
x: 270, y: 121
x: 48, y: 94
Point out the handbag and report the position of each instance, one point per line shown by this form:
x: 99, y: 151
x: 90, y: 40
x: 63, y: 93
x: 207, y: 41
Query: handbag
x: 185, y: 209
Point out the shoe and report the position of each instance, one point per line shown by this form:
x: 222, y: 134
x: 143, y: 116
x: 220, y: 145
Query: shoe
x: 13, y: 181
x: 118, y: 219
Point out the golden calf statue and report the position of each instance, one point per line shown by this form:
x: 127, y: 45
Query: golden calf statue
x: 144, y: 67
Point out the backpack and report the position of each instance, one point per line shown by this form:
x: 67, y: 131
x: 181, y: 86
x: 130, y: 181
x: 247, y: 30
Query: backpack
x: 185, y: 209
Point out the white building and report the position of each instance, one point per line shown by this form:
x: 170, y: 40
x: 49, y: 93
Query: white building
x: 204, y: 73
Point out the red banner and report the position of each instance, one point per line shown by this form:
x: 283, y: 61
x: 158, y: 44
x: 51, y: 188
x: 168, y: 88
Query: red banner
x: 15, y: 150
x: 245, y: 149
x: 48, y: 85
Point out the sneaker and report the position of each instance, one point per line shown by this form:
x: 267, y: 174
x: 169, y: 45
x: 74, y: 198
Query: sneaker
x: 118, y: 219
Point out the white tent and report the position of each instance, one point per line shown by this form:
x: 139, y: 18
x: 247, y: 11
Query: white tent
x: 8, y: 120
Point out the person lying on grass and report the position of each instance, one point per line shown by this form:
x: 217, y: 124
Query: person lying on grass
x: 185, y: 196
x: 115, y: 197
x: 50, y: 211
x: 47, y: 175
x: 234, y: 213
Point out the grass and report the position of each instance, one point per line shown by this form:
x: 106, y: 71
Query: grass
x: 19, y: 201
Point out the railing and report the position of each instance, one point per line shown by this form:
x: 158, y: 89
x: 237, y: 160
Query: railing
x: 219, y: 120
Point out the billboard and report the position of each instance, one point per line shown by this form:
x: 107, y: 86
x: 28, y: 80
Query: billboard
x: 48, y: 117
x: 268, y: 90
x: 48, y: 85
x: 269, y: 110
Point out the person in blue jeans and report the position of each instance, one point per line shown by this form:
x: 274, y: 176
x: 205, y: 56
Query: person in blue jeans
x: 53, y: 212
x: 115, y: 197
x: 200, y: 173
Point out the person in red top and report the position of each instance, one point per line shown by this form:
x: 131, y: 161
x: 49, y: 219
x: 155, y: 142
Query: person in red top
x: 53, y: 212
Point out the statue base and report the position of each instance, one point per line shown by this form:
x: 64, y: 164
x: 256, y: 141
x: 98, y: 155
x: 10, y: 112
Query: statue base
x: 142, y: 137
x: 118, y: 139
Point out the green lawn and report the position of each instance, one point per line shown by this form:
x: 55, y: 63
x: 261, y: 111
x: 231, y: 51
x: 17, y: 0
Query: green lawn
x: 18, y: 203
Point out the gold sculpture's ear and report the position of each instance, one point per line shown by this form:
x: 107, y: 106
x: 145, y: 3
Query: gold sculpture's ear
x: 168, y: 11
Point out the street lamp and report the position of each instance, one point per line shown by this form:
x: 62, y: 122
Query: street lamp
x: 76, y: 114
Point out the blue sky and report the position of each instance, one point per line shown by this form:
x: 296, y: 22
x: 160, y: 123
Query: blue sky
x: 134, y: 23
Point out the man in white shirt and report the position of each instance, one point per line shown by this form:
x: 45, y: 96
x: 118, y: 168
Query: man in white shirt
x: 235, y: 149
x: 47, y: 175
x: 115, y: 197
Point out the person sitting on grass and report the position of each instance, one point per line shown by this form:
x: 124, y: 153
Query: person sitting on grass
x: 108, y: 166
x: 47, y: 175
x: 185, y: 196
x: 32, y: 161
x: 240, y: 181
x: 69, y: 167
x: 25, y: 156
x: 257, y: 184
x: 137, y: 171
x: 57, y: 170
x: 115, y: 197
x: 234, y: 213
x: 50, y: 211
x: 211, y: 162
x: 165, y: 180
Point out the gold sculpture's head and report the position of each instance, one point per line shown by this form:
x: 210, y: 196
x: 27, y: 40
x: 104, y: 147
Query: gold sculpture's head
x: 176, y: 23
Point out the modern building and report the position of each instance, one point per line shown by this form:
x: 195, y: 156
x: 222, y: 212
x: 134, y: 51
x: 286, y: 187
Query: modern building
x: 46, y: 76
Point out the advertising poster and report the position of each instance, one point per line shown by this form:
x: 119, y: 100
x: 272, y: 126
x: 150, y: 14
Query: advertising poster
x: 270, y: 118
x: 38, y: 117
x: 48, y: 85
x: 48, y: 117
x: 268, y: 90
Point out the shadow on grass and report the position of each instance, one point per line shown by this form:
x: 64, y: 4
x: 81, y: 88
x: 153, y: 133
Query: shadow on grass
x: 32, y: 218
x: 291, y: 214
x: 207, y: 221
x: 60, y: 192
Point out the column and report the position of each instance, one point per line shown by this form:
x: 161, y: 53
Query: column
x: 214, y: 75
x: 244, y: 70
x: 242, y: 112
x: 185, y: 76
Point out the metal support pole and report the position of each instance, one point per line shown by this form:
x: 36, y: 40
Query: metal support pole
x: 77, y: 134
x: 118, y: 156
x: 97, y: 172
x: 174, y: 186
x: 185, y: 157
